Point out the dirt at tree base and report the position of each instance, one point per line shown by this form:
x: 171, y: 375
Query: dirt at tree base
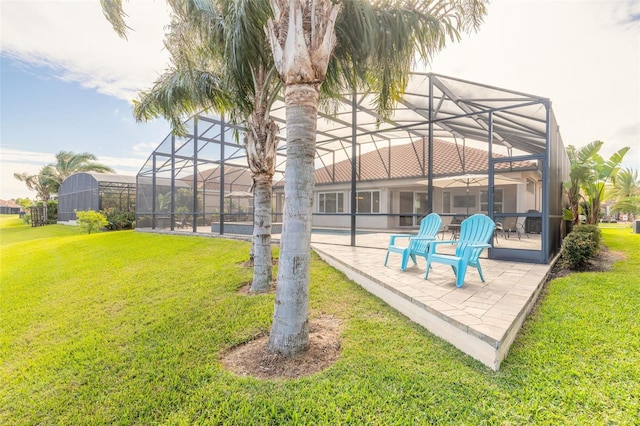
x: 252, y: 358
x: 244, y: 290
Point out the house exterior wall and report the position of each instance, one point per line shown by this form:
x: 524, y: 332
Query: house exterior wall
x: 389, y: 204
x: 515, y: 199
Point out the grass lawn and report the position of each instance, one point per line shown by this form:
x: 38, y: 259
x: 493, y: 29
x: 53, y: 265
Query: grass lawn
x: 128, y: 328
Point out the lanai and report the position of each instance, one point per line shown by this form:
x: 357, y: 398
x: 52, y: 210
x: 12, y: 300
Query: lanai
x: 512, y: 127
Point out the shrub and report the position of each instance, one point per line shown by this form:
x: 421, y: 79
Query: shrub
x: 577, y: 249
x: 119, y: 219
x: 91, y: 220
x: 592, y: 230
x: 52, y: 211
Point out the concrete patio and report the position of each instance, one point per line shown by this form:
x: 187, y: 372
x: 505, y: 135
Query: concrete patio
x: 480, y: 319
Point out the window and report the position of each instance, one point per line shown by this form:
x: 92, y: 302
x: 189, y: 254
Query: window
x: 368, y: 201
x: 331, y: 202
x: 497, y: 201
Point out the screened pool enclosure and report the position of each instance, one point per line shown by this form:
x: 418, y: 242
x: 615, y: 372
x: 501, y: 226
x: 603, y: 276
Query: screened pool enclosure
x: 451, y: 146
x: 95, y: 191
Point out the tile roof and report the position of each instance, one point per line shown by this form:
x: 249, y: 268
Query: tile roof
x: 407, y: 161
x: 9, y: 203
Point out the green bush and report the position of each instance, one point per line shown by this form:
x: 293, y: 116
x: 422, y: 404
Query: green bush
x: 592, y: 230
x: 27, y: 218
x: 119, y: 219
x: 52, y: 211
x: 577, y: 249
x: 91, y: 221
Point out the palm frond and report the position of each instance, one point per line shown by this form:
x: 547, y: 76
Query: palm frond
x: 114, y: 12
x: 378, y: 42
x: 179, y: 93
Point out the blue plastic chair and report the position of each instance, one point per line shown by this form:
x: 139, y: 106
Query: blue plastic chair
x: 418, y: 244
x: 475, y: 234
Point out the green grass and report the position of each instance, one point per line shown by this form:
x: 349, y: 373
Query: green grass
x: 128, y: 328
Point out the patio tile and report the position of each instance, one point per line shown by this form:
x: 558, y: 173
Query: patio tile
x: 484, y: 312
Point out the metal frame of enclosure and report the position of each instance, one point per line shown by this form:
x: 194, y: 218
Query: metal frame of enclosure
x: 95, y: 191
x: 199, y: 180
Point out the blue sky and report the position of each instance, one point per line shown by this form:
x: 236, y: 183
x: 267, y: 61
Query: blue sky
x: 42, y: 113
x: 67, y: 80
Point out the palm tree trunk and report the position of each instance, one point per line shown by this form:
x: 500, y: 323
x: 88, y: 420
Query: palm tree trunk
x: 262, y: 259
x: 289, y: 332
x: 260, y: 145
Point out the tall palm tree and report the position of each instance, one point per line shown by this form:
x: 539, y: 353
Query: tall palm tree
x: 359, y: 43
x: 338, y: 46
x: 220, y: 62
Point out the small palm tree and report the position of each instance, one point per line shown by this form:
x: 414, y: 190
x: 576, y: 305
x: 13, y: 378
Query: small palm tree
x: 604, y: 171
x: 589, y: 174
x: 50, y: 177
x: 626, y: 192
x: 581, y: 171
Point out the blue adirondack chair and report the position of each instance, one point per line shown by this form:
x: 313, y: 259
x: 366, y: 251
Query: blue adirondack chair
x: 475, y: 234
x: 418, y: 244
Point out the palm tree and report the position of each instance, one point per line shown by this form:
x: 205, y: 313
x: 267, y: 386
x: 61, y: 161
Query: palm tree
x: 626, y: 192
x: 603, y: 172
x: 50, y: 177
x: 589, y: 174
x: 43, y: 183
x: 219, y: 61
x: 338, y: 46
x: 357, y: 43
x: 68, y: 163
x: 581, y: 171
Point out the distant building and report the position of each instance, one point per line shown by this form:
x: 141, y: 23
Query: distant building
x: 9, y: 207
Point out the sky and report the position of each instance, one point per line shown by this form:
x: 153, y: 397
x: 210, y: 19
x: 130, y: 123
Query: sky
x: 67, y: 80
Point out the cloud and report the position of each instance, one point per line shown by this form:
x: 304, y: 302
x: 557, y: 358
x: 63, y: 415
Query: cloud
x: 145, y: 148
x: 631, y: 13
x: 20, y: 161
x: 16, y: 156
x: 583, y: 55
x: 75, y: 40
